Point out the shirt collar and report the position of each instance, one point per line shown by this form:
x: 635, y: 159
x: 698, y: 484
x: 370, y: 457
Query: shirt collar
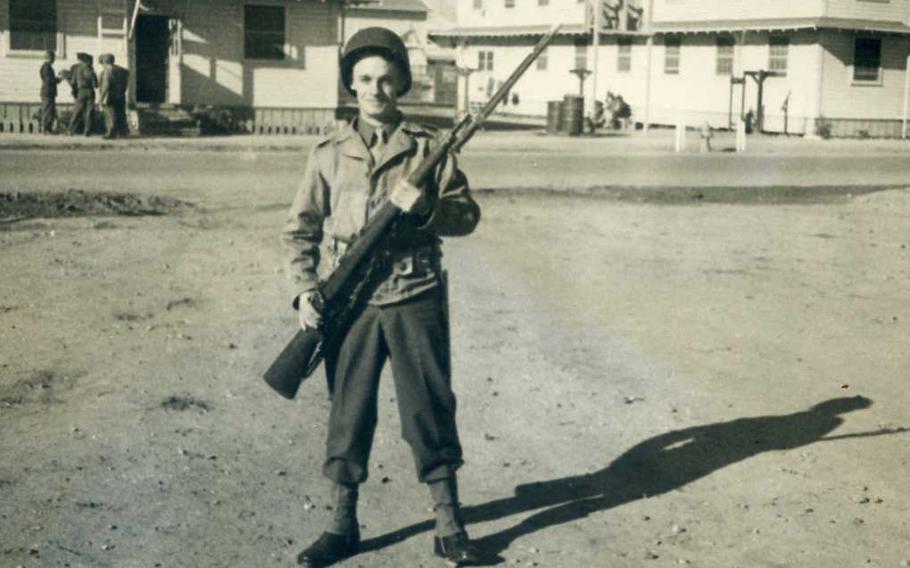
x: 367, y: 131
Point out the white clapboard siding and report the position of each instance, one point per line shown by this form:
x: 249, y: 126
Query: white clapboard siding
x: 525, y: 13
x: 212, y: 67
x: 892, y: 10
x: 710, y: 10
x: 77, y: 21
x: 536, y: 86
x: 215, y: 71
x: 845, y: 98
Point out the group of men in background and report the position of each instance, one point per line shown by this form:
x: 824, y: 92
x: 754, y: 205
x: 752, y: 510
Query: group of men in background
x: 83, y: 82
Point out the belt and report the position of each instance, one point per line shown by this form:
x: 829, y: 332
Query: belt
x: 403, y: 261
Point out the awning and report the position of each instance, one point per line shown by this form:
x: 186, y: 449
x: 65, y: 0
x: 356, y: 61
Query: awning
x: 705, y: 26
x: 781, y: 24
x: 493, y: 32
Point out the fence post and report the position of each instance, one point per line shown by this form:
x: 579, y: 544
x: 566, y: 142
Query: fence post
x: 741, y: 135
x: 680, y: 135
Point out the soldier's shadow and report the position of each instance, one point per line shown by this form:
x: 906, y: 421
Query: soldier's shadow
x: 657, y: 465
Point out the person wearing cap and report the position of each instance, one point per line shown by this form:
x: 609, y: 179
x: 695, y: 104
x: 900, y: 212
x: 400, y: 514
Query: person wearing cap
x: 349, y: 176
x: 49, y: 82
x: 112, y: 96
x: 84, y: 82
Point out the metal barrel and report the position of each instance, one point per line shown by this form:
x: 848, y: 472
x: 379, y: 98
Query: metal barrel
x: 573, y: 111
x: 554, y: 117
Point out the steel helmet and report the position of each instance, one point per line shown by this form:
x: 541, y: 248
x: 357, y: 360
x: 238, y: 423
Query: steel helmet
x: 375, y: 41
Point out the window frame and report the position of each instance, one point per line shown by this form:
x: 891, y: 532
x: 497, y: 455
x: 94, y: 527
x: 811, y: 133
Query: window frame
x: 675, y: 43
x: 624, y: 55
x: 484, y: 60
x: 725, y: 55
x: 478, y: 5
x: 879, y: 77
x: 285, y: 51
x: 779, y: 41
x: 580, y: 55
x: 59, y: 48
x: 111, y: 33
x: 509, y: 4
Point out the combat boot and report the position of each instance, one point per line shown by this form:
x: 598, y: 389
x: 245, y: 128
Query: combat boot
x: 457, y: 550
x: 329, y: 549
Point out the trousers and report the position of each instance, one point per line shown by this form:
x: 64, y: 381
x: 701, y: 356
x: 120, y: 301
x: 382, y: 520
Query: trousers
x: 115, y: 118
x: 413, y: 336
x: 82, y: 114
x: 48, y: 114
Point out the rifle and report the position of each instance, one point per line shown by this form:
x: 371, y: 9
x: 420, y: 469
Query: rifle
x: 340, y: 295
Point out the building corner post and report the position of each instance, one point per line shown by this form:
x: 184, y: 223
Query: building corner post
x: 649, y: 27
x: 906, y: 92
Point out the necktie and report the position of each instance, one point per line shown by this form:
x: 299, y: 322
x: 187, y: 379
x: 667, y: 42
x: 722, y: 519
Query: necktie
x: 378, y: 146
x: 379, y: 193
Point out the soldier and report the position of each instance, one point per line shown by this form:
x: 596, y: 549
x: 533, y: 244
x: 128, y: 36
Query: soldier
x: 49, y: 82
x: 349, y: 176
x: 112, y: 96
x: 84, y: 83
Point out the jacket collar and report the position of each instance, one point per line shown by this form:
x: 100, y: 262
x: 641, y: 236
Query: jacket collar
x: 400, y: 142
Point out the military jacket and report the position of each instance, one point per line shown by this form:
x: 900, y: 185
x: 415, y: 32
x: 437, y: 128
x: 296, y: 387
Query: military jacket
x: 48, y: 81
x: 112, y: 85
x: 343, y: 187
x: 84, y: 81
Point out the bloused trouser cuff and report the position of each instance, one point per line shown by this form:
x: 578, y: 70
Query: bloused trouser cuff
x: 414, y: 337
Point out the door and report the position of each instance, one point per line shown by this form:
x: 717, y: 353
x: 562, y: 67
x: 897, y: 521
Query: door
x: 445, y: 80
x: 152, y: 45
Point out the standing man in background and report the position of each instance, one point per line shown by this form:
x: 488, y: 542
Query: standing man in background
x: 84, y: 83
x: 349, y: 176
x: 112, y: 96
x: 49, y: 82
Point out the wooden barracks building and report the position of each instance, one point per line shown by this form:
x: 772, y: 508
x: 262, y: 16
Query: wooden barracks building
x: 273, y: 64
x: 818, y: 66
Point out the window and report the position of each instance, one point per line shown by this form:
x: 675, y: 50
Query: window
x: 778, y: 53
x: 724, y: 55
x: 263, y: 32
x: 33, y: 25
x: 543, y: 2
x: 478, y: 4
x: 111, y: 24
x: 510, y: 3
x: 867, y: 60
x: 581, y: 54
x: 672, y: 51
x: 624, y: 55
x: 542, y: 60
x: 484, y: 60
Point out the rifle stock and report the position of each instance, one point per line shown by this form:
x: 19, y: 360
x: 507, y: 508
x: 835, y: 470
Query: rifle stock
x: 303, y: 353
x: 297, y: 360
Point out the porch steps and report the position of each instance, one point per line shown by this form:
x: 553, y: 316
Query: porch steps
x: 166, y: 120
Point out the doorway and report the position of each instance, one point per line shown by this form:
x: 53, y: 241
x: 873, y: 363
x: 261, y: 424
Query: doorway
x: 152, y: 47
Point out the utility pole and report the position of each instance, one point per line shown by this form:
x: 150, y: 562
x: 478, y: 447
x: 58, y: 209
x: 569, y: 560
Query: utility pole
x: 649, y: 25
x: 906, y: 93
x: 595, y: 43
x: 464, y: 72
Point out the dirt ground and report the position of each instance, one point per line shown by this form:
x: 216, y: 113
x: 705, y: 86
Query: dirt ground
x: 655, y: 366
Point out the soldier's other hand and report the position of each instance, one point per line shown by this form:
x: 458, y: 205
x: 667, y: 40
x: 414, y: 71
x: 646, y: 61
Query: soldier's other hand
x: 409, y: 198
x: 309, y: 316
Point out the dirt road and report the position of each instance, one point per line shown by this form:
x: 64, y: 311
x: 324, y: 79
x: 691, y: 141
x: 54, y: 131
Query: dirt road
x: 643, y: 379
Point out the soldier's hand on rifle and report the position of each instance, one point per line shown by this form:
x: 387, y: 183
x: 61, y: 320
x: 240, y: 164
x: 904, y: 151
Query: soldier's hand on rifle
x: 409, y: 198
x: 309, y: 316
